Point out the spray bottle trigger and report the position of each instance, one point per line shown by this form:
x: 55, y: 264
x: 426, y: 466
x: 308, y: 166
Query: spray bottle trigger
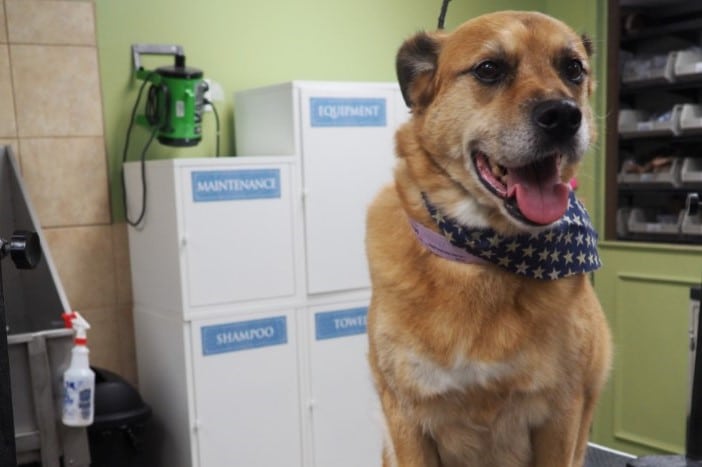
x: 68, y: 319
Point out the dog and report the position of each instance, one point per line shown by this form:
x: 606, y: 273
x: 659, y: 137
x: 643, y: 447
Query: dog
x: 487, y: 344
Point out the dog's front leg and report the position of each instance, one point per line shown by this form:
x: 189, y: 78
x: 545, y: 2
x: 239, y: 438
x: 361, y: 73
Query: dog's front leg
x: 406, y: 445
x: 560, y: 441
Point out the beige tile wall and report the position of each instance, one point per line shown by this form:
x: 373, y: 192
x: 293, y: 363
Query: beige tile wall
x: 52, y: 117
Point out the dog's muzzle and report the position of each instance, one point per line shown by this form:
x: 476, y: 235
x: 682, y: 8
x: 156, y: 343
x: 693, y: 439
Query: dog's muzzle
x: 557, y: 119
x: 534, y: 193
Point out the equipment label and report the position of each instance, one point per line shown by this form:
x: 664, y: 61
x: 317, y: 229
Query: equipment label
x: 341, y: 323
x: 347, y: 111
x: 227, y: 185
x: 244, y: 335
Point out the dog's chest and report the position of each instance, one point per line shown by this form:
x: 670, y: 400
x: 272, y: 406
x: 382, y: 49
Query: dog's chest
x: 432, y: 379
x: 480, y: 427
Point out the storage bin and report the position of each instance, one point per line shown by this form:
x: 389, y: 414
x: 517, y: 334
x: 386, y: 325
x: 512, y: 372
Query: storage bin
x: 692, y: 225
x: 688, y: 64
x: 691, y: 119
x: 691, y: 172
x: 667, y: 177
x: 652, y: 221
x: 635, y: 123
x: 649, y: 69
x: 622, y: 221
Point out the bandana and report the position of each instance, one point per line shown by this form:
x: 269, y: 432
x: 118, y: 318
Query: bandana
x: 568, y: 248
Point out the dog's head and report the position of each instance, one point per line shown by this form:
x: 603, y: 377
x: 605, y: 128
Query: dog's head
x: 501, y: 106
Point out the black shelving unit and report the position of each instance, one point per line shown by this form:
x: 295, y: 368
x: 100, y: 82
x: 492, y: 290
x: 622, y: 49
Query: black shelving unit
x: 649, y: 207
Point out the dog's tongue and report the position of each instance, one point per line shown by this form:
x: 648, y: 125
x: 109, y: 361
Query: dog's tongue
x: 540, y: 194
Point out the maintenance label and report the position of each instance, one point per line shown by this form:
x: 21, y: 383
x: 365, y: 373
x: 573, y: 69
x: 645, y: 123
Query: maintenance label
x: 227, y: 185
x: 244, y: 335
x: 341, y: 323
x: 347, y: 111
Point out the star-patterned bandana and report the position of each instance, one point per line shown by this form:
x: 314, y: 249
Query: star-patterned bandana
x: 568, y: 248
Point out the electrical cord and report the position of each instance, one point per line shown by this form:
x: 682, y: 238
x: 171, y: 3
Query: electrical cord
x: 442, y: 14
x: 216, y: 115
x: 152, y: 117
x: 142, y: 158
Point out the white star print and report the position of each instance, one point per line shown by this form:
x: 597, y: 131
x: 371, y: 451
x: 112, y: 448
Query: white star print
x: 569, y: 248
x: 568, y: 257
x: 544, y: 254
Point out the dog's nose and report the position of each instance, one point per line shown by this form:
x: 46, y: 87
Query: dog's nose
x: 558, y: 118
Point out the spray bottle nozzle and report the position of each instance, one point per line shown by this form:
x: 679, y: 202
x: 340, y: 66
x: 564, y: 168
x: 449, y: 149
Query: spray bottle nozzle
x: 79, y: 324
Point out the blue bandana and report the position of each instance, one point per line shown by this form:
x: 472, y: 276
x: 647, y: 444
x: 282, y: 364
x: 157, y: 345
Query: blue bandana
x: 569, y: 248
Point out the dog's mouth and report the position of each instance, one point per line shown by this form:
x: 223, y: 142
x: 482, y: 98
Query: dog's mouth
x: 534, y: 193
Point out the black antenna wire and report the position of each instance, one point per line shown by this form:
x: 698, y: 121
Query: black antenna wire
x: 442, y: 15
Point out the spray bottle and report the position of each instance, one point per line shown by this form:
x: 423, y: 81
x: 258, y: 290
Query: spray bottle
x: 78, y: 379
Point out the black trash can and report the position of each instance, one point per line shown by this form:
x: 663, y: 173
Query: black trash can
x: 120, y: 426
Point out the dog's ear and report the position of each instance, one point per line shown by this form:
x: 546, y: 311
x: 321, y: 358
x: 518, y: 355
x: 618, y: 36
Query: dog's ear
x: 588, y: 44
x: 416, y: 65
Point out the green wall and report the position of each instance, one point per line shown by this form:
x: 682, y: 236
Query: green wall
x: 589, y: 17
x: 243, y: 44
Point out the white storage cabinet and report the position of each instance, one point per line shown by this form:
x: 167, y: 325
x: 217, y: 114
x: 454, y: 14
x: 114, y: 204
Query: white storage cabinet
x: 343, y: 135
x: 217, y: 234
x: 215, y: 270
x: 344, y: 410
x: 251, y: 287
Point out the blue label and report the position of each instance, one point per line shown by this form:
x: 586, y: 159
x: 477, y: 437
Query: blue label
x: 227, y: 185
x: 341, y: 323
x: 347, y: 111
x: 244, y: 335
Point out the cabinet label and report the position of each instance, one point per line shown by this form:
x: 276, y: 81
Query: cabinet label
x: 244, y: 335
x: 347, y: 112
x: 341, y: 323
x: 228, y: 185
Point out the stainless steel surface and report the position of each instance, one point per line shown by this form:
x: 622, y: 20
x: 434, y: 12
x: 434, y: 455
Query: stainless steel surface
x: 600, y: 456
x: 38, y: 345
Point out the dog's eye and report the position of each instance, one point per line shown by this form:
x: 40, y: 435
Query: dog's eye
x: 489, y: 71
x: 574, y: 71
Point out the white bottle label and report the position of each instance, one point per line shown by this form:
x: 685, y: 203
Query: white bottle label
x: 77, y: 402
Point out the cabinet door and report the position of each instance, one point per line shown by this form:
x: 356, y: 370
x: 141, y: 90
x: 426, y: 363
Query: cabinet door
x: 239, y: 240
x: 347, y: 155
x: 346, y: 416
x: 245, y: 377
x: 645, y: 293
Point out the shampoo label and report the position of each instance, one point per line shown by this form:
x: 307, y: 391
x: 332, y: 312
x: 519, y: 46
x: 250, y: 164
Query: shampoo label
x: 244, y: 335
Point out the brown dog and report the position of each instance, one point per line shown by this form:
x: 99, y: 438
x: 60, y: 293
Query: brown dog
x: 488, y: 350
